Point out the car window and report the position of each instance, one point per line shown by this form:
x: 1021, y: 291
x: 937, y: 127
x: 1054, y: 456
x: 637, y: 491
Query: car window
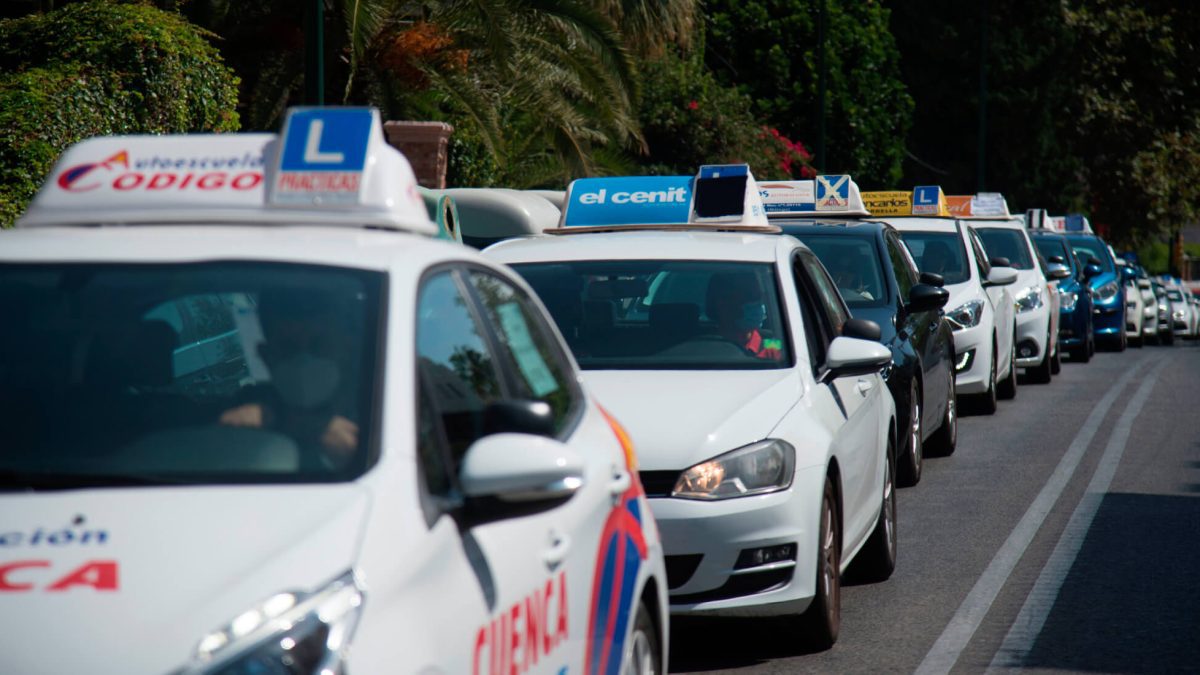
x: 982, y: 261
x: 540, y: 369
x: 209, y: 373
x: 902, y: 266
x: 817, y: 331
x: 854, y: 264
x: 1006, y: 243
x: 1087, y: 247
x: 939, y: 253
x: 665, y: 314
x: 455, y: 361
x: 829, y: 300
x: 1050, y: 247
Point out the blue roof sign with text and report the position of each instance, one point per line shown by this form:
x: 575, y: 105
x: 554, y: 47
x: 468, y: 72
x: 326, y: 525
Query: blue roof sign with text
x: 628, y: 200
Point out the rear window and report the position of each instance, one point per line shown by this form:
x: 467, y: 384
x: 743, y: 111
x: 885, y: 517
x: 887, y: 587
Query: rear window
x: 939, y: 253
x: 665, y: 314
x: 192, y: 373
x: 1007, y: 243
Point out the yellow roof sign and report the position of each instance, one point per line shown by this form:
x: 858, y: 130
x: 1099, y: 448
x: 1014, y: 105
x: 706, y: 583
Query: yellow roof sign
x: 888, y: 203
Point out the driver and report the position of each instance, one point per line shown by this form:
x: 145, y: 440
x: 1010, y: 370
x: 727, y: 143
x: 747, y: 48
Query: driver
x: 844, y: 270
x: 307, y: 351
x: 735, y: 302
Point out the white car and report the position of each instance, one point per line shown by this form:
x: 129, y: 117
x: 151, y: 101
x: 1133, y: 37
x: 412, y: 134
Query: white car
x: 1181, y: 311
x: 1135, y: 304
x: 765, y: 431
x: 981, y: 309
x: 1037, y: 302
x: 250, y: 430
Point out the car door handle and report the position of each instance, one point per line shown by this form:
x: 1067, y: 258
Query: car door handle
x: 560, y: 544
x: 864, y: 386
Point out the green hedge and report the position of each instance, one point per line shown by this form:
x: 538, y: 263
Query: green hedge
x: 98, y: 68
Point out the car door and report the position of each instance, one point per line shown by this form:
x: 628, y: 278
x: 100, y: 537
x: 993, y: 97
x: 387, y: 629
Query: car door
x: 1002, y: 302
x: 862, y: 404
x: 526, y: 608
x: 923, y: 328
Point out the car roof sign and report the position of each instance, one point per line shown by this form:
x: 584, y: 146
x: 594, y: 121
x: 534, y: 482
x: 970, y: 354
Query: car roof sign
x: 986, y: 205
x: 331, y: 166
x: 924, y: 200
x: 832, y: 195
x: 719, y: 197
x: 928, y: 200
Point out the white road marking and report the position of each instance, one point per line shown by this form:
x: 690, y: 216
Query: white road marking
x: 954, y: 639
x: 1028, y: 624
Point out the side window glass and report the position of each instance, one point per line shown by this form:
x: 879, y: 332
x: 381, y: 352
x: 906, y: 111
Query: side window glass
x: 981, y: 256
x: 815, y: 329
x: 454, y: 361
x: 431, y: 447
x: 905, y: 276
x: 536, y: 362
x: 828, y: 295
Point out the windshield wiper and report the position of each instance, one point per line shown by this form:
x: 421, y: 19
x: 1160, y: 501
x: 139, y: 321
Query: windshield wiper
x: 34, y: 481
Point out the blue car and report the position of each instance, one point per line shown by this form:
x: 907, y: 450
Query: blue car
x: 1108, y: 293
x: 1075, y: 333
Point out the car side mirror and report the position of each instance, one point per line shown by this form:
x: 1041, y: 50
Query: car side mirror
x: 862, y: 329
x: 506, y: 475
x: 518, y: 416
x: 932, y: 279
x: 1144, y: 285
x: 999, y: 261
x: 1057, y: 271
x: 1128, y: 273
x: 926, y: 298
x: 1092, y: 270
x: 849, y: 356
x: 1001, y: 276
x: 1057, y: 259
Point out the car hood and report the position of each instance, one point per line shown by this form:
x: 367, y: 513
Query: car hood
x: 963, y: 293
x: 169, y: 565
x: 680, y: 418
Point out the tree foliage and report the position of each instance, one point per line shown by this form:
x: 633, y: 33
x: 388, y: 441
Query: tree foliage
x: 768, y: 49
x: 99, y: 68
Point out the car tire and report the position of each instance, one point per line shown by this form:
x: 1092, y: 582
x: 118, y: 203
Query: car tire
x: 1168, y: 339
x: 986, y: 401
x: 1007, y: 389
x: 1056, y: 364
x: 822, y: 620
x: 1091, y: 345
x: 643, y: 656
x: 877, y: 559
x: 1044, y: 371
x: 914, y: 452
x: 1122, y: 343
x: 1138, y: 341
x: 945, y: 439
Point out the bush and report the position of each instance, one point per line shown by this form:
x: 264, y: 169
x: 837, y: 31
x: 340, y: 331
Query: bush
x: 97, y: 68
x: 689, y: 119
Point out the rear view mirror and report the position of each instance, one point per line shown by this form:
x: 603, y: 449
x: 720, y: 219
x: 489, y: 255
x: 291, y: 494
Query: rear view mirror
x: 1001, y: 276
x: 861, y: 329
x: 1057, y: 271
x: 999, y: 261
x: 932, y: 279
x: 926, y: 298
x: 849, y: 356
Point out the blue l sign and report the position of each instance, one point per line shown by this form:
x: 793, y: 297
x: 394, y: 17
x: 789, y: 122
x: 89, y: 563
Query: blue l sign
x: 327, y: 139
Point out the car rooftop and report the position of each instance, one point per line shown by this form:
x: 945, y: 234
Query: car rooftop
x: 641, y: 245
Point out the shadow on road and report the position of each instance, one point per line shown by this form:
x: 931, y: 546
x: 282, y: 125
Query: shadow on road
x: 1130, y: 603
x: 706, y: 644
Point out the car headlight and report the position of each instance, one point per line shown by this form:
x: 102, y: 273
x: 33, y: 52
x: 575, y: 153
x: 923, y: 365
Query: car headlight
x: 1029, y: 299
x: 966, y: 315
x: 765, y: 466
x: 288, y: 633
x: 1178, y: 314
x: 1107, y: 291
x: 1067, y: 300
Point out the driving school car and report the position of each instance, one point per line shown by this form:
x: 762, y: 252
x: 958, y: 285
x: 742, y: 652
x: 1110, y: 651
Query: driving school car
x: 766, y: 434
x: 259, y: 419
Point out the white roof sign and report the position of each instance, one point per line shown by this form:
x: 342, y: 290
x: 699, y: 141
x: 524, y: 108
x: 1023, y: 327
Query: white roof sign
x: 833, y: 195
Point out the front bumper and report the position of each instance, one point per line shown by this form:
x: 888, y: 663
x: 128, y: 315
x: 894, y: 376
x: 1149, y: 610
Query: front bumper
x: 703, y: 541
x: 978, y: 341
x: 1032, y: 329
x: 1108, y: 319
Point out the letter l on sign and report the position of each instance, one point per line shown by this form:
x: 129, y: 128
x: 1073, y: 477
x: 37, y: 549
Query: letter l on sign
x: 312, y: 148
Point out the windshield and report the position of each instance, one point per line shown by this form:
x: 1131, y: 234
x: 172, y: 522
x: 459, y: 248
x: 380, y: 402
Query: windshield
x: 231, y: 372
x: 1175, y: 295
x: 665, y: 314
x: 1092, y: 248
x: 939, y: 253
x: 853, y: 263
x: 1049, y: 247
x: 1007, y: 243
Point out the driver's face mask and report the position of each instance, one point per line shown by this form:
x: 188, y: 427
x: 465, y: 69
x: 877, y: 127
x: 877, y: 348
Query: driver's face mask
x: 753, y: 316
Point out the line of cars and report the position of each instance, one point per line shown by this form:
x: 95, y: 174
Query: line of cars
x: 256, y: 407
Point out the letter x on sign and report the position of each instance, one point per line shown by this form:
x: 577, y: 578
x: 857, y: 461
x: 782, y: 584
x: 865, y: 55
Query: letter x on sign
x: 833, y: 191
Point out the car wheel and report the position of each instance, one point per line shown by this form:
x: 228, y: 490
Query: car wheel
x: 914, y: 454
x: 642, y: 654
x: 1042, y: 372
x: 1168, y: 338
x: 1122, y: 342
x: 1056, y: 364
x: 1091, y: 346
x: 1007, y: 389
x: 877, y: 559
x: 823, y: 618
x: 944, y: 440
x: 1137, y: 341
x: 987, y: 400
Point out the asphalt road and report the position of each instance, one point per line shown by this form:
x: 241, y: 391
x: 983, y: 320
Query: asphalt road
x: 1063, y: 535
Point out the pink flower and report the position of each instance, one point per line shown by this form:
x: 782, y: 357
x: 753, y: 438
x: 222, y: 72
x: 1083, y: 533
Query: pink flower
x: 692, y: 105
